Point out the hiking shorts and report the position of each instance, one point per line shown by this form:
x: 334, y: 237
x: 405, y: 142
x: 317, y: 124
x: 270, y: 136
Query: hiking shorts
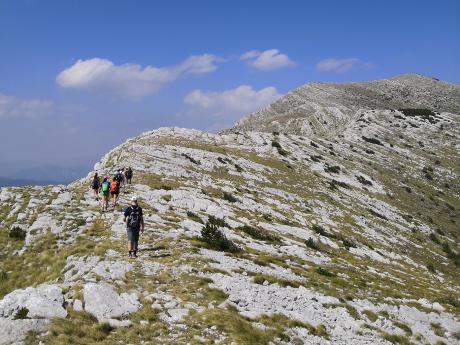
x: 133, y: 235
x: 105, y: 195
x: 115, y: 193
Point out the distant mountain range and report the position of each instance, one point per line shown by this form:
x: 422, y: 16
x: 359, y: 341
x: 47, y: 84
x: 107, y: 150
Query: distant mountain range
x: 13, y: 182
x: 44, y: 175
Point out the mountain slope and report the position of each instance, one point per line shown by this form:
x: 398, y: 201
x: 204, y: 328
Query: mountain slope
x: 327, y: 109
x: 352, y: 239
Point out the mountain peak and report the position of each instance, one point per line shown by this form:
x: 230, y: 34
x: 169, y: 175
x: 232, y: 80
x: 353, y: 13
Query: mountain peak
x: 328, y: 108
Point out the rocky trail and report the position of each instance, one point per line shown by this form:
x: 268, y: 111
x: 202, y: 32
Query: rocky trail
x: 252, y: 237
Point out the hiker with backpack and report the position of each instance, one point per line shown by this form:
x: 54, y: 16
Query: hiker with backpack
x: 134, y: 220
x: 95, y: 185
x: 129, y: 175
x: 105, y: 192
x: 114, y: 191
x: 123, y: 176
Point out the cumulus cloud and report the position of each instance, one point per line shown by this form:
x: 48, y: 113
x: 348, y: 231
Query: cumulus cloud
x: 13, y: 107
x: 341, y: 65
x: 267, y: 60
x: 131, y: 80
x: 236, y: 102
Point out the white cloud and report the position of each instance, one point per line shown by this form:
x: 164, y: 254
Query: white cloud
x: 12, y: 107
x: 341, y: 65
x: 235, y: 102
x: 267, y: 60
x: 131, y: 80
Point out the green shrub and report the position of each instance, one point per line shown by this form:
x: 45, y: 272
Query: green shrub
x: 21, y: 314
x: 403, y: 326
x: 348, y: 243
x: 276, y: 144
x: 194, y: 217
x: 259, y: 234
x: 216, y: 239
x: 376, y: 214
x: 332, y: 169
x: 217, y: 222
x: 372, y: 140
x: 320, y: 230
x: 229, y: 197
x: 80, y: 222
x: 17, y: 233
x: 191, y: 159
x: 238, y: 168
x: 311, y: 243
x: 434, y: 238
x: 363, y: 180
x: 334, y: 183
x: 430, y: 267
x: 324, y: 272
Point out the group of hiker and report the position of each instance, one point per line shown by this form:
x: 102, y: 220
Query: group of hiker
x: 111, y: 188
x: 133, y: 217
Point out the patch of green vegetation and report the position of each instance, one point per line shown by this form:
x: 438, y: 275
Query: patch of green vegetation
x: 229, y: 197
x: 216, y: 239
x: 403, y: 326
x: 21, y: 314
x: 281, y: 323
x: 259, y: 234
x: 220, y: 222
x: 324, y: 272
x: 438, y: 329
x: 311, y: 243
x: 166, y: 197
x: 44, y: 260
x: 17, y: 233
x: 157, y: 182
x: 396, y: 339
x: 261, y: 278
x: 194, y: 216
x: 371, y: 315
x: 332, y: 169
x: 350, y: 309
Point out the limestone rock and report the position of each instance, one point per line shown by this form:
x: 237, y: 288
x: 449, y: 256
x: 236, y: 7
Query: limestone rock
x: 105, y: 303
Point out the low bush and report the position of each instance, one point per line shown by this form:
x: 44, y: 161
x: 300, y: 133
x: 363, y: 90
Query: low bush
x: 216, y: 239
x: 259, y: 234
x: 324, y: 272
x: 430, y: 267
x: 217, y: 222
x: 191, y: 159
x: 276, y: 144
x: 372, y: 140
x: 194, y: 216
x: 363, y: 180
x: 332, y: 169
x: 21, y: 314
x: 311, y: 243
x: 229, y: 197
x: 17, y: 233
x: 348, y: 243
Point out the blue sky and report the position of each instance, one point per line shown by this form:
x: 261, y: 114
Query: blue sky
x: 77, y: 78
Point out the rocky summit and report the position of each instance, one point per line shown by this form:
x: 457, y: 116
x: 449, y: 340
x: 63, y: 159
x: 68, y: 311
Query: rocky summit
x: 330, y: 217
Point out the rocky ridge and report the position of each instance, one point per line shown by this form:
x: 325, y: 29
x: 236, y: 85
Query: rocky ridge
x: 345, y: 233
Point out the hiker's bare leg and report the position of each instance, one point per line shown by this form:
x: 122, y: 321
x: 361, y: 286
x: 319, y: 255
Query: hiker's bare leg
x: 130, y: 246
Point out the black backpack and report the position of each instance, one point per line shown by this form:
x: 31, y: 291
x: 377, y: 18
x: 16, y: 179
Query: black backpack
x: 118, y: 177
x: 135, y: 217
x: 96, y: 183
x: 129, y: 173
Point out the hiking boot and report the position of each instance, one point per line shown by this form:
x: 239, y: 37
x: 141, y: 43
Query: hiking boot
x: 130, y: 254
x: 134, y: 255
